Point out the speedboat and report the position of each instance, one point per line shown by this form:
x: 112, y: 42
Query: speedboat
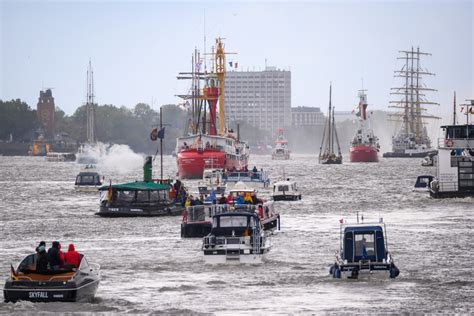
x: 236, y: 237
x: 285, y: 191
x: 67, y: 284
x: 88, y: 180
x: 422, y: 183
x: 363, y: 252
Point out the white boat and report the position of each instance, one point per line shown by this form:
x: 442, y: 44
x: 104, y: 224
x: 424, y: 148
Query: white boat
x: 281, y: 150
x: 253, y: 178
x: 212, y: 181
x: 428, y: 161
x: 60, y: 157
x: 88, y: 180
x: 236, y: 237
x: 363, y: 252
x: 286, y: 190
x: 455, y: 164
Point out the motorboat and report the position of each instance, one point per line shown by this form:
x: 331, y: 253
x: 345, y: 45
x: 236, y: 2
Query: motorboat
x: 60, y: 157
x: 286, y: 190
x: 253, y: 178
x: 429, y: 160
x: 422, y: 183
x: 212, y: 181
x: 281, y: 150
x: 67, y: 284
x: 88, y: 180
x: 236, y: 237
x: 197, y: 219
x: 141, y: 198
x: 363, y: 252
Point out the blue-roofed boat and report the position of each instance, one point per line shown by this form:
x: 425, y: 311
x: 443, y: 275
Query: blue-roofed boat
x: 422, y: 183
x: 363, y: 252
x: 252, y: 178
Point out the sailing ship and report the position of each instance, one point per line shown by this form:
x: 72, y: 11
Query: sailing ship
x: 365, y: 145
x: 207, y: 143
x: 412, y: 139
x: 281, y: 150
x: 328, y: 156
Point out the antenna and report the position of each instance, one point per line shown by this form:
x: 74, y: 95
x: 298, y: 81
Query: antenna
x: 205, y: 62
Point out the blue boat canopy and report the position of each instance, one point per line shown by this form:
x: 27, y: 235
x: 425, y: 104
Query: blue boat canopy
x: 364, y: 243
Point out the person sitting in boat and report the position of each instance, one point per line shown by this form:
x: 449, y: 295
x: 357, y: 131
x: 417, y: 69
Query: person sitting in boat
x: 72, y: 257
x: 260, y: 211
x: 188, y: 202
x: 254, y: 170
x: 54, y: 259
x: 222, y: 199
x: 208, y: 144
x: 255, y: 200
x: 229, y: 199
x: 248, y: 198
x: 41, y: 258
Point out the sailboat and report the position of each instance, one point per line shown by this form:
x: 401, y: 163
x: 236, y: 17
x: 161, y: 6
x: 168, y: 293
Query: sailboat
x: 328, y: 156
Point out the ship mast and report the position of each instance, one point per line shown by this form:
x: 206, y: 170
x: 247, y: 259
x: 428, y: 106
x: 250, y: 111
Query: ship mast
x: 90, y: 107
x: 412, y: 96
x: 220, y: 71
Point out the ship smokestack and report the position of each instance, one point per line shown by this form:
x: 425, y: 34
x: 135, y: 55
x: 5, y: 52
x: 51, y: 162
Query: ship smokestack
x: 147, y: 169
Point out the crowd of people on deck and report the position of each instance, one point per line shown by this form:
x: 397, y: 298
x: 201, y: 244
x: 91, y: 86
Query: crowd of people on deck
x: 54, y: 259
x: 242, y: 198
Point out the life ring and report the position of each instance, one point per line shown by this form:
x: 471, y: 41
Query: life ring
x: 449, y: 143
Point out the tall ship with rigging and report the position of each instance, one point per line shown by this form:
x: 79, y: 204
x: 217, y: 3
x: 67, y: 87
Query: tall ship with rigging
x: 327, y: 156
x: 412, y: 139
x: 365, y: 145
x: 208, y: 143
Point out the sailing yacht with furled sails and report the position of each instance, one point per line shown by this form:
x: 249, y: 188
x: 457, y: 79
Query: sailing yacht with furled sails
x: 327, y: 155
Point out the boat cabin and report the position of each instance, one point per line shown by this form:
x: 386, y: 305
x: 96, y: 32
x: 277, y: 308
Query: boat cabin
x: 364, y: 243
x: 235, y: 224
x: 88, y: 178
x: 134, y: 194
x: 423, y: 182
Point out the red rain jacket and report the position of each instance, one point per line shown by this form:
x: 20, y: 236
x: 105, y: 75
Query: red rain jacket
x: 72, y: 256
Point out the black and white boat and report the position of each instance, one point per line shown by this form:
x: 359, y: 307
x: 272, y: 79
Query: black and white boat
x: 286, y: 191
x: 212, y: 181
x: 88, y: 180
x: 236, y: 237
x: 67, y: 284
x: 363, y: 252
x: 422, y: 183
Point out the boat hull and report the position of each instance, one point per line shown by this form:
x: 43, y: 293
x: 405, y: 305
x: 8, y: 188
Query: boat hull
x: 234, y: 257
x: 420, y: 154
x: 377, y: 270
x: 285, y: 197
x: 191, y: 163
x: 51, y: 292
x: 170, y: 210
x: 195, y: 229
x: 363, y: 154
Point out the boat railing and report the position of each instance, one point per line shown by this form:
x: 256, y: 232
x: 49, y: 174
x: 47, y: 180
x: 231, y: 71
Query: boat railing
x: 453, y: 143
x: 446, y: 186
x: 255, y: 241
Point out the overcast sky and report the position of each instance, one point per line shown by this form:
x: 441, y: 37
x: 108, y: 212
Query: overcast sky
x: 137, y: 48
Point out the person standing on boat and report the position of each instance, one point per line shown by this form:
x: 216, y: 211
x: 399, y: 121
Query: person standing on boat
x: 240, y: 200
x: 41, y: 258
x: 248, y: 198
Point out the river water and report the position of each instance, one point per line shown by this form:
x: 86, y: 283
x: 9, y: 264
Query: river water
x: 146, y: 266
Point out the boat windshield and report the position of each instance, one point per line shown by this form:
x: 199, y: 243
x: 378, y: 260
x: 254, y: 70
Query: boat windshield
x: 141, y: 196
x: 364, y: 245
x: 90, y: 179
x: 235, y: 221
x: 283, y: 188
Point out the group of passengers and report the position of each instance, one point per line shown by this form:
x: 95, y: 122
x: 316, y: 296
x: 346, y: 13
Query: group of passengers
x: 242, y: 198
x: 54, y: 259
x: 243, y: 169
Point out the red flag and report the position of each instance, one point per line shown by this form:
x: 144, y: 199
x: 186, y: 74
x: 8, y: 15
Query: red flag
x: 462, y: 109
x: 109, y: 192
x: 13, y: 272
x: 341, y: 220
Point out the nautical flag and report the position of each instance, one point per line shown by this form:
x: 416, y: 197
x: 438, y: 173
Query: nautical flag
x: 161, y: 133
x: 13, y: 272
x: 230, y: 63
x: 462, y: 109
x: 154, y: 134
x: 236, y: 65
x: 109, y: 192
x: 341, y: 220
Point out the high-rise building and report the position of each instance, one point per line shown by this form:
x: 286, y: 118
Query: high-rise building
x: 45, y: 111
x: 260, y: 98
x: 306, y: 116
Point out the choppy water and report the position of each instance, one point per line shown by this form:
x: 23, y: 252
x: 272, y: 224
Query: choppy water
x: 147, y: 267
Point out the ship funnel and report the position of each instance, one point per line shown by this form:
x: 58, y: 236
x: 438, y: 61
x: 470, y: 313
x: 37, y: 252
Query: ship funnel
x: 147, y: 169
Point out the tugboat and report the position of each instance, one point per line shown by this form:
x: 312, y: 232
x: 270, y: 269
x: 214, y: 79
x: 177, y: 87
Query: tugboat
x: 141, y: 198
x: 328, y: 157
x: 281, y: 150
x: 253, y: 178
x: 88, y: 180
x: 363, y: 251
x: 66, y: 285
x: 365, y: 145
x: 197, y: 220
x: 206, y: 146
x: 236, y: 237
x: 412, y: 139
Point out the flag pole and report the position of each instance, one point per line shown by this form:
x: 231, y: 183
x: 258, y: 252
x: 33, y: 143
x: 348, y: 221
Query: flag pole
x: 161, y: 148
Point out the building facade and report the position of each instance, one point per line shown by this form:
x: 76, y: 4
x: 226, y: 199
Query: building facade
x: 306, y: 116
x: 259, y: 98
x: 45, y: 111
